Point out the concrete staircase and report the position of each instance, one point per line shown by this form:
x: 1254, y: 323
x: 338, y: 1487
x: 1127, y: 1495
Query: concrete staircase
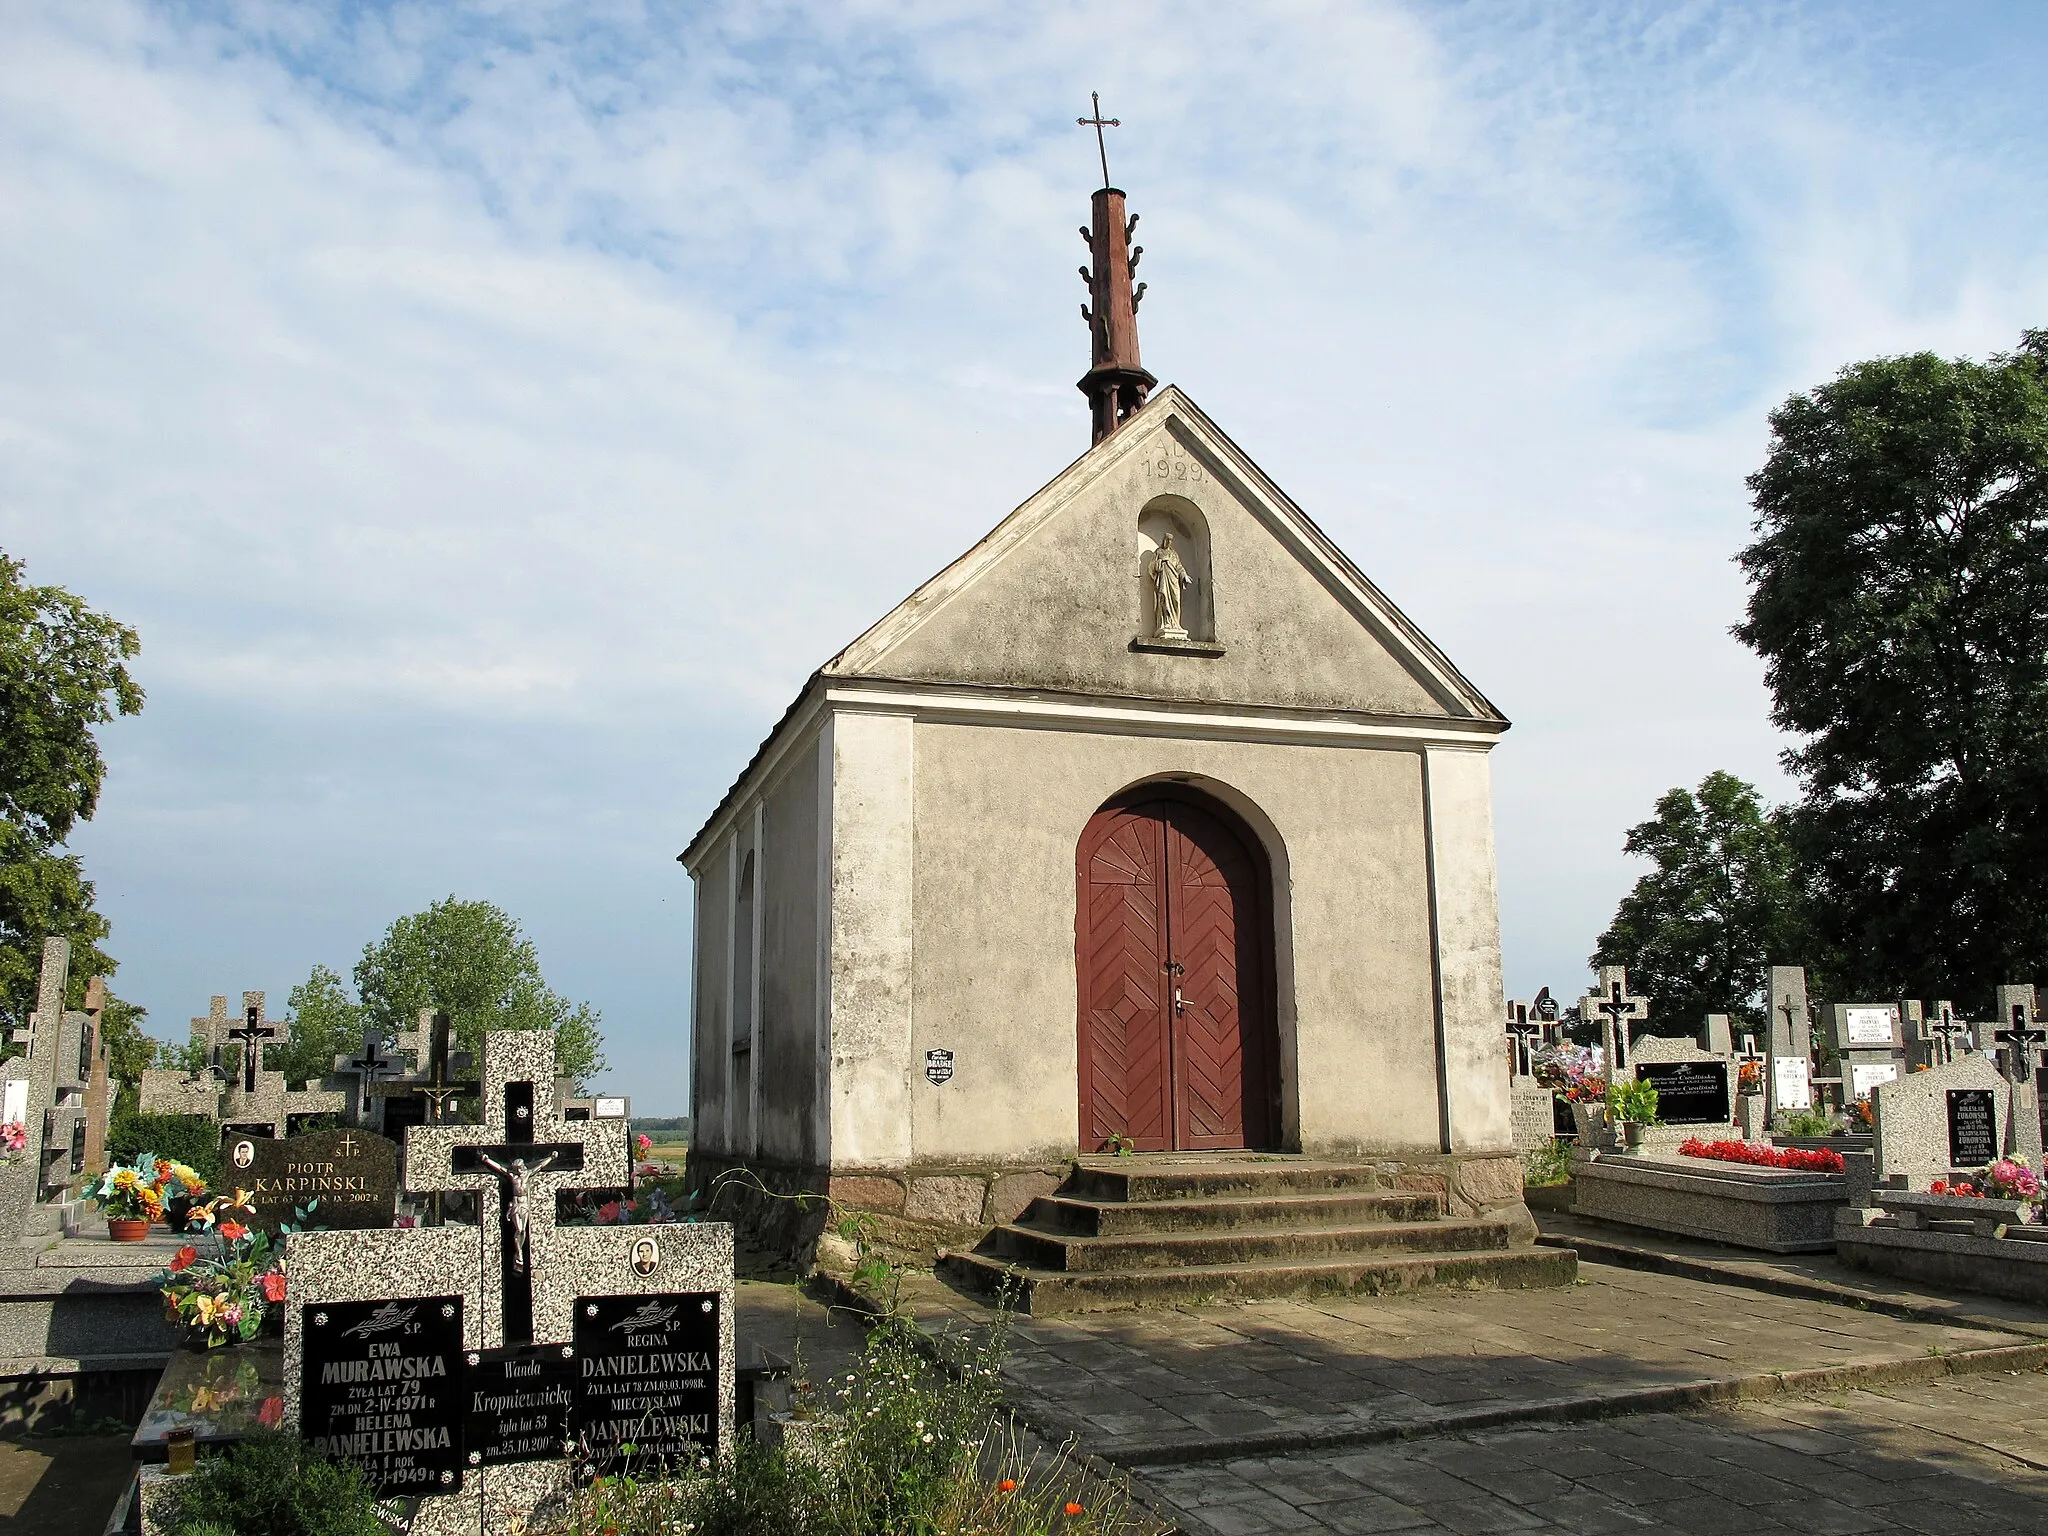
x: 1165, y: 1231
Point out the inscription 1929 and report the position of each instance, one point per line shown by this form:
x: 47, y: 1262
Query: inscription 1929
x: 1173, y: 462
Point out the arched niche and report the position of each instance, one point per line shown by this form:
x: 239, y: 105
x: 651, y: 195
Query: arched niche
x: 1181, y: 518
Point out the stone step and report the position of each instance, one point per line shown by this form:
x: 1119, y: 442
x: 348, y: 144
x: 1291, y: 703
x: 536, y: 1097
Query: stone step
x: 45, y: 1314
x: 1045, y: 1293
x: 1064, y: 1252
x: 1114, y: 1218
x: 1146, y: 1179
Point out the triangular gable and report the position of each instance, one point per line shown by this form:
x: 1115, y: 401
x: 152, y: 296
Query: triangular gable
x: 1051, y: 598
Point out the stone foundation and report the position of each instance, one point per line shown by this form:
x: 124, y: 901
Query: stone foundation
x: 925, y: 1209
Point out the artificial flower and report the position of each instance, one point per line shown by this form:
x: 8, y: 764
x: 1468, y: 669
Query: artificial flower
x: 1820, y: 1160
x: 184, y: 1258
x: 272, y: 1286
x: 233, y: 1231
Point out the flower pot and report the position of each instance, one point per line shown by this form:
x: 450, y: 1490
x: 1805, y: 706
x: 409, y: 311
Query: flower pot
x: 1632, y: 1132
x: 1594, y: 1130
x: 124, y: 1229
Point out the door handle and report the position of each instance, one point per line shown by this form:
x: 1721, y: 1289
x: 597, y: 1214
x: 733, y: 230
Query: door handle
x: 1179, y: 1003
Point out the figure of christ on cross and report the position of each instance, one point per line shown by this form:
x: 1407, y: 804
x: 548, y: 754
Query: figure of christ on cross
x: 1525, y: 1035
x: 518, y: 1206
x: 2020, y: 1040
x: 254, y: 1032
x: 1945, y: 1030
x: 1612, y: 1003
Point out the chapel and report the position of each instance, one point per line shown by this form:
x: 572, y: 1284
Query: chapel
x: 1147, y: 826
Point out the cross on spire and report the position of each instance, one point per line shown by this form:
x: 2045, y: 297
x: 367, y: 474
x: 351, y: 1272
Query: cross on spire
x: 1098, y: 122
x: 1116, y: 382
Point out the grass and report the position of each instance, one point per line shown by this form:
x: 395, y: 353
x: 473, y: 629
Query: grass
x: 907, y: 1446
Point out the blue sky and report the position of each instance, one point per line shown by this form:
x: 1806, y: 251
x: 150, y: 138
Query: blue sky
x: 489, y: 415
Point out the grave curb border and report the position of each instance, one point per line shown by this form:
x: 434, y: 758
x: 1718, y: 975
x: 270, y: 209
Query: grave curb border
x: 1601, y: 1250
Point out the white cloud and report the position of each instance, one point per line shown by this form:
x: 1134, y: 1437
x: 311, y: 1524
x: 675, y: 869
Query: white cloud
x: 490, y: 415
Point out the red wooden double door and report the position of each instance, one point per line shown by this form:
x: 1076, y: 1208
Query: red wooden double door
x: 1178, y: 1041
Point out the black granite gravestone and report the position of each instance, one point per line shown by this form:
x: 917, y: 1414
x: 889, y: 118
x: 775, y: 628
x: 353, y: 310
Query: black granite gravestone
x: 1562, y: 1122
x: 646, y: 1375
x: 1972, y: 1127
x: 1688, y: 1092
x: 352, y: 1173
x: 519, y: 1400
x: 381, y: 1383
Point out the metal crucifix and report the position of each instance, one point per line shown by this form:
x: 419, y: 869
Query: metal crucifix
x: 2020, y: 1040
x: 1098, y: 122
x: 253, y: 1032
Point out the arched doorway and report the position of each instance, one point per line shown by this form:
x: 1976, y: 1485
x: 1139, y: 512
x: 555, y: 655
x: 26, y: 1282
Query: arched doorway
x: 1173, y: 948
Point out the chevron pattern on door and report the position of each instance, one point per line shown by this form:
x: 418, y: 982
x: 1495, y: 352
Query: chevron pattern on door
x: 1176, y: 1005
x: 1211, y: 884
x: 1126, y: 1071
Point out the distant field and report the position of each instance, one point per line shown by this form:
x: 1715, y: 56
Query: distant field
x: 667, y: 1151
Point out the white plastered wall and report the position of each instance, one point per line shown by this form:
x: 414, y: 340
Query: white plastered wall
x: 998, y: 813
x: 1477, y: 1108
x: 872, y: 943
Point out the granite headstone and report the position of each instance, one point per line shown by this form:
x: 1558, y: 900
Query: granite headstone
x: 352, y: 1174
x: 1928, y: 1124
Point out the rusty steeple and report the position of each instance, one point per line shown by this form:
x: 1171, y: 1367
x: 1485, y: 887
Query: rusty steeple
x: 1116, y: 383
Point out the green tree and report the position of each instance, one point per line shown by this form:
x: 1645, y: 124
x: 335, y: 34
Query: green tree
x: 325, y: 1022
x: 1700, y: 930
x: 470, y: 959
x: 129, y: 1051
x: 1899, y: 599
x: 63, y: 670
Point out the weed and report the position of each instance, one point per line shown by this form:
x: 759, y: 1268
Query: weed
x: 1550, y: 1163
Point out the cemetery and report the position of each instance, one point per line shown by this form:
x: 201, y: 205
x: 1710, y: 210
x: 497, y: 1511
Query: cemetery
x: 1107, y: 1114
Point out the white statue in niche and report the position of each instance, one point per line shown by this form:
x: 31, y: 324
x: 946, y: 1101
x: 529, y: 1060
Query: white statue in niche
x: 1169, y: 577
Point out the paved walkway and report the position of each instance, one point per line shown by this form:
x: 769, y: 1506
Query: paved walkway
x: 1156, y: 1387
x: 1965, y: 1455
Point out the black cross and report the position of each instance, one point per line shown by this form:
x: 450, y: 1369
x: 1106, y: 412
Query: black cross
x: 1791, y: 1010
x: 515, y: 1274
x: 2021, y: 1039
x: 1948, y: 1029
x: 372, y: 1066
x: 1524, y: 1034
x: 254, y: 1031
x: 1098, y: 122
x: 1620, y: 1008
